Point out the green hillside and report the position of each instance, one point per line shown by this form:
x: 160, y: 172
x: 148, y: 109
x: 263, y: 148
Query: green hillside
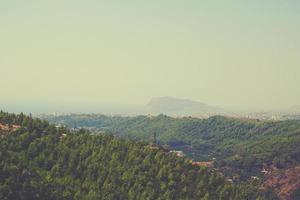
x: 242, y: 145
x: 40, y: 161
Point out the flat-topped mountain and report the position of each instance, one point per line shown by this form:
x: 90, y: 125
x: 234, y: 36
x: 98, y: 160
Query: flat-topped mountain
x: 176, y: 106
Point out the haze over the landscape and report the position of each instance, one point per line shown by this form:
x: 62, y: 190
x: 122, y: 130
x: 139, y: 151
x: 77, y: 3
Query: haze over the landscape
x: 149, y: 100
x: 87, y: 56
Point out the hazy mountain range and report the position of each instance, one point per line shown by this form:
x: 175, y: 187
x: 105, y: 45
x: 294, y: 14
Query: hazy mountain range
x: 161, y: 105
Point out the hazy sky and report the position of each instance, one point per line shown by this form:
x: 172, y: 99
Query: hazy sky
x: 227, y: 53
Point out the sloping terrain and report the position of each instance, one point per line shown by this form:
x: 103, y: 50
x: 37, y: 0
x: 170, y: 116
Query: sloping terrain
x: 40, y: 161
x: 285, y: 182
x: 239, y: 147
x: 180, y: 107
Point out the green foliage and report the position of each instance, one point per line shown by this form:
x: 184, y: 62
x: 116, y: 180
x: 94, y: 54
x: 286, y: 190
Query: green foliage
x: 241, y: 144
x: 39, y: 161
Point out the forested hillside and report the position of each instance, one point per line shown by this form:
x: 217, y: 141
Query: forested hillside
x: 242, y: 149
x: 40, y: 161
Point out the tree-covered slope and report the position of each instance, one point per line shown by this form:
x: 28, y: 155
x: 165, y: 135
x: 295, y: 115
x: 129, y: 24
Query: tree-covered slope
x: 40, y: 161
x: 241, y: 144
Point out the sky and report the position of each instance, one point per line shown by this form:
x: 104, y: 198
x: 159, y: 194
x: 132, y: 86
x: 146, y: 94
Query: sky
x: 230, y: 53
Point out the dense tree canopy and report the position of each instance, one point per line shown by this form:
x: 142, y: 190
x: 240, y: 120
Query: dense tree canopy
x: 40, y: 161
x: 242, y: 144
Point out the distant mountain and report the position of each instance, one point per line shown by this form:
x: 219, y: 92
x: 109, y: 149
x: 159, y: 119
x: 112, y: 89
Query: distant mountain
x: 180, y: 107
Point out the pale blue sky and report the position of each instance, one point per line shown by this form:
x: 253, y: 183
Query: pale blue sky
x: 228, y: 53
